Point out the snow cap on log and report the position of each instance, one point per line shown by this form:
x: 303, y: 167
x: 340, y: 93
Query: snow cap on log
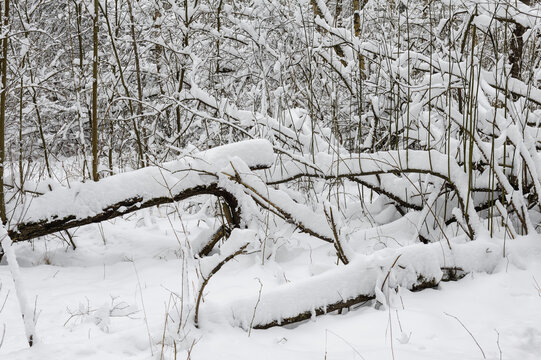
x: 143, y: 187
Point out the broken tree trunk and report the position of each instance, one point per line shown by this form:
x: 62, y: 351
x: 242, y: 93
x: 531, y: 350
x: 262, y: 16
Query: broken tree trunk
x: 227, y: 172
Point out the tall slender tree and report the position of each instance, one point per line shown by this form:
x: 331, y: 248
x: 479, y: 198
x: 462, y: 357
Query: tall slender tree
x: 4, y: 68
x: 139, y: 83
x: 95, y: 175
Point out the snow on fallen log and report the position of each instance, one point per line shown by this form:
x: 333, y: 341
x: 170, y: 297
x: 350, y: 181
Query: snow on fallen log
x: 91, y: 202
x: 414, y: 267
x: 371, y: 237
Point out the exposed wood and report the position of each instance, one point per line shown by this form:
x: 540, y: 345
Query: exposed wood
x: 358, y: 5
x: 222, y: 232
x: 354, y: 176
x: 337, y: 48
x: 337, y: 245
x: 207, y: 278
x: 517, y: 46
x: 142, y: 188
x: 516, y: 50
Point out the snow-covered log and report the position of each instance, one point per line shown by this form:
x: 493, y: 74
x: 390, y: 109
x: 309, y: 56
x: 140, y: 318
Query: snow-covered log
x: 365, y: 278
x: 92, y: 202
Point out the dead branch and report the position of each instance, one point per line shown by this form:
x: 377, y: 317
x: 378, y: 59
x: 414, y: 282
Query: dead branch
x: 207, y: 278
x: 29, y: 230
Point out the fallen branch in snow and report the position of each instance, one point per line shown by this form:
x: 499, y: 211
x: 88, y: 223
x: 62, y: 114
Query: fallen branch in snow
x: 206, y: 278
x: 401, y: 163
x: 232, y: 178
x: 283, y: 206
x: 88, y: 203
x: 222, y: 232
x: 337, y: 245
x: 32, y: 229
x: 413, y: 267
x: 309, y: 314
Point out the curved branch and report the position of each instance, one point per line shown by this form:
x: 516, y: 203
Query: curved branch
x: 398, y: 163
x: 33, y: 229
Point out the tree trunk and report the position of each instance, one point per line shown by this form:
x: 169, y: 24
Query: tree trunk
x: 95, y: 175
x: 60, y: 209
x: 140, y: 141
x: 517, y: 47
x: 357, y: 30
x: 4, y: 67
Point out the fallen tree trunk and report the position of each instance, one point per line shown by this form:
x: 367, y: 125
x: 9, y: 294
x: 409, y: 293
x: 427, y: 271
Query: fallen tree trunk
x: 365, y: 278
x: 88, y: 203
x: 32, y: 229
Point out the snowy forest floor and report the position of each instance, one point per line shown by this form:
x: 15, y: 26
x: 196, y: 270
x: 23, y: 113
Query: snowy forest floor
x: 108, y: 300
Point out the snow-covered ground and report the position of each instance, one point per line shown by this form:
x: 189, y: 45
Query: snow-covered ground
x: 109, y: 299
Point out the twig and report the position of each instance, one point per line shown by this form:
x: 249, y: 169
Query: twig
x: 469, y: 332
x: 336, y: 242
x: 389, y: 272
x: 144, y: 310
x: 498, y: 343
x: 255, y: 307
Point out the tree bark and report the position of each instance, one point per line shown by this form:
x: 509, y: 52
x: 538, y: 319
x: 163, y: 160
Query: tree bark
x: 4, y: 67
x: 358, y: 5
x: 516, y: 50
x: 141, y: 142
x: 95, y: 175
x: 337, y: 48
x: 120, y: 194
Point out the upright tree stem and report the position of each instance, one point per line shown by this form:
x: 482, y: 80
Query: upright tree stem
x: 95, y: 175
x: 4, y: 69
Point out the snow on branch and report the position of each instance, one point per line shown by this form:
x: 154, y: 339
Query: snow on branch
x: 391, y: 162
